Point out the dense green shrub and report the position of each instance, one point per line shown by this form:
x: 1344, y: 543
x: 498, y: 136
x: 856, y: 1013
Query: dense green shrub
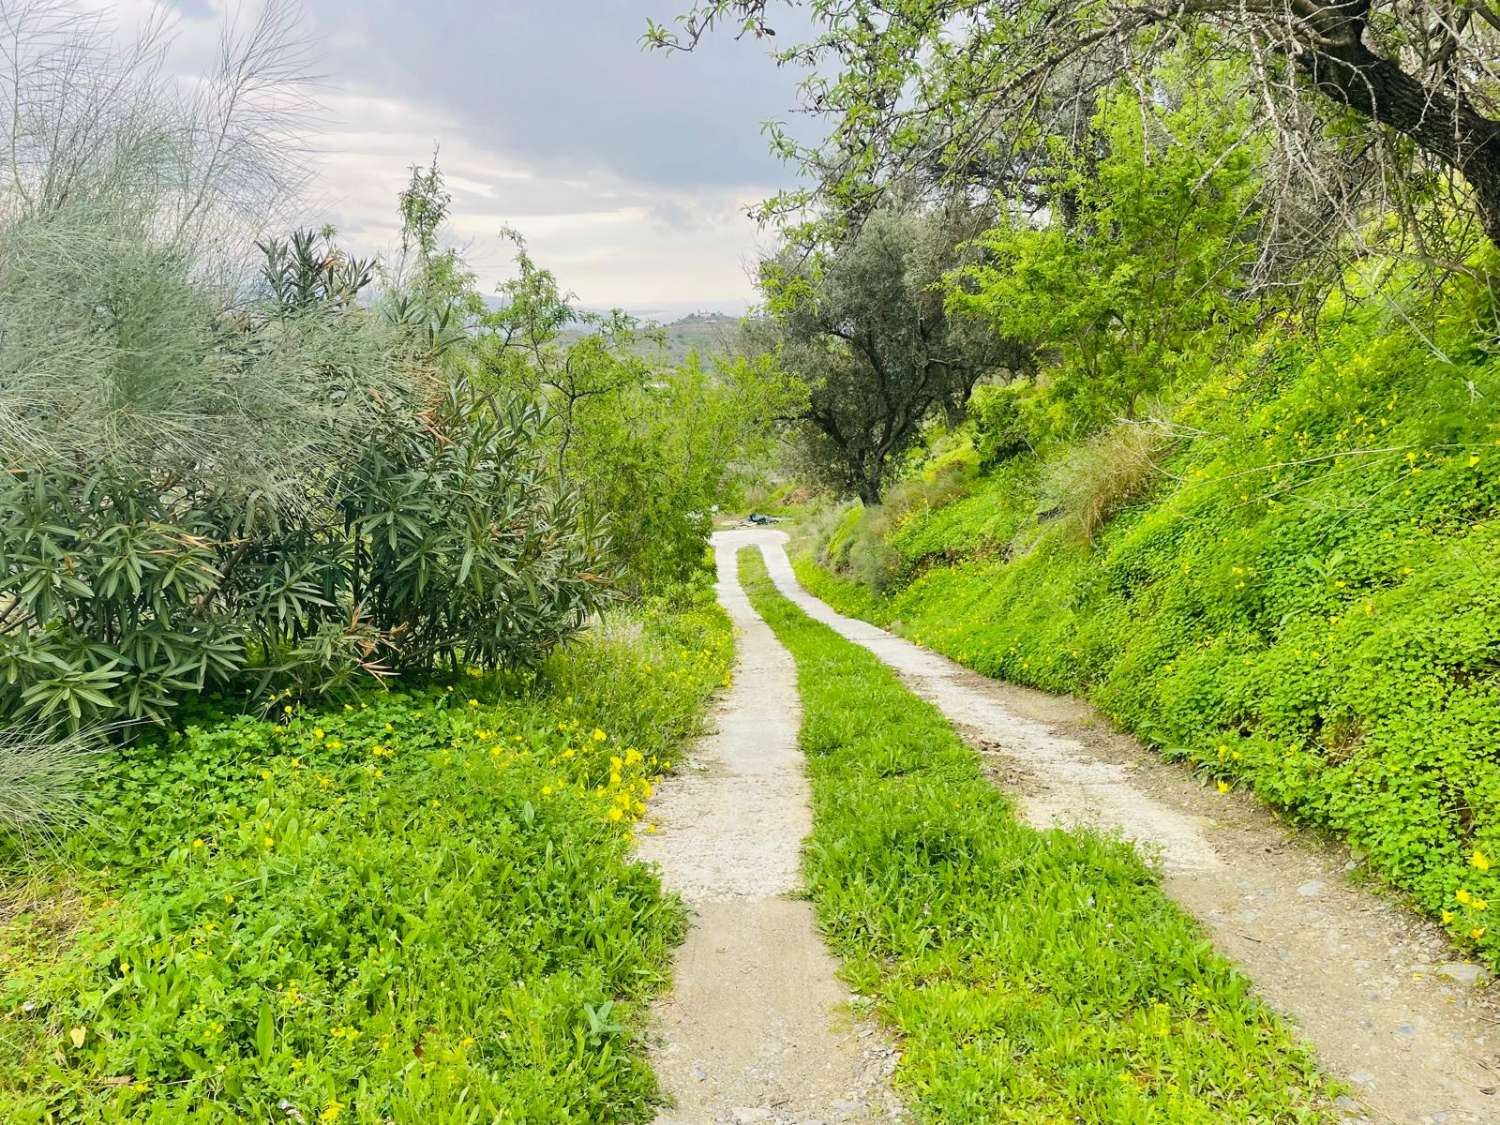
x: 461, y: 544
x: 1306, y: 601
x: 997, y: 414
x: 655, y: 458
x: 132, y: 585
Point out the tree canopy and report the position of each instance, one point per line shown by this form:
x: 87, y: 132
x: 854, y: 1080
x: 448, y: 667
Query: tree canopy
x: 863, y: 324
x: 1374, y: 101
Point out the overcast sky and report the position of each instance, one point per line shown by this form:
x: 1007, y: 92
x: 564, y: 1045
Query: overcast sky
x: 627, y: 171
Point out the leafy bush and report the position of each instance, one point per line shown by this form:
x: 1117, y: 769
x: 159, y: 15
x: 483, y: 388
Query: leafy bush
x: 459, y: 542
x: 418, y: 907
x: 654, y: 458
x: 1000, y: 430
x: 132, y: 587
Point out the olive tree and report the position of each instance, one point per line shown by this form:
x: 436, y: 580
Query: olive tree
x: 864, y: 325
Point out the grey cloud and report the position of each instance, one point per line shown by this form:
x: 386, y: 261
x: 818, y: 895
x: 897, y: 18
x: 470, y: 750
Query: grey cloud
x: 628, y: 171
x: 567, y: 85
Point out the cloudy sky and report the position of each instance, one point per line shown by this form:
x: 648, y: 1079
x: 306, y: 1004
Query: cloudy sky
x: 627, y: 171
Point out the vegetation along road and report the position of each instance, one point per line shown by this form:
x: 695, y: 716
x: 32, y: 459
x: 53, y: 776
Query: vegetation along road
x: 410, y: 716
x: 1363, y: 980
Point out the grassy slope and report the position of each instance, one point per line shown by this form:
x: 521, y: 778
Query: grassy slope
x: 419, y: 909
x: 1307, y: 601
x: 1033, y: 976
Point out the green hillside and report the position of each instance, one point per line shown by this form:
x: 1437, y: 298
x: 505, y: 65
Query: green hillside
x: 1292, y: 582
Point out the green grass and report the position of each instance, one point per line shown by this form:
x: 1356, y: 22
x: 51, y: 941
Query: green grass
x: 1306, y: 602
x: 421, y: 908
x: 1031, y: 976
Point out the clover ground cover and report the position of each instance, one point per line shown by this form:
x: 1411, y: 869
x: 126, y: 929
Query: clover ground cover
x: 417, y: 907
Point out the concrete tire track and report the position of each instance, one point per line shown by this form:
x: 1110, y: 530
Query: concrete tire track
x: 757, y: 1027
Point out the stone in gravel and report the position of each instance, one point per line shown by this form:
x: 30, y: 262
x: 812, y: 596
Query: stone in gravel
x: 1311, y: 889
x: 1362, y: 1078
x: 1405, y: 1031
x: 1464, y: 973
x: 747, y: 1115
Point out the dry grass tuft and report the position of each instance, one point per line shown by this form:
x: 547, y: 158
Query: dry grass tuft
x: 1105, y: 475
x: 41, y: 771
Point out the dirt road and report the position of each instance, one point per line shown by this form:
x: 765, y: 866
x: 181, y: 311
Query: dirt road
x: 757, y: 1028
x: 1377, y: 991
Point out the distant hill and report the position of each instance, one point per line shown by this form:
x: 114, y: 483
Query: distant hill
x: 703, y: 332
